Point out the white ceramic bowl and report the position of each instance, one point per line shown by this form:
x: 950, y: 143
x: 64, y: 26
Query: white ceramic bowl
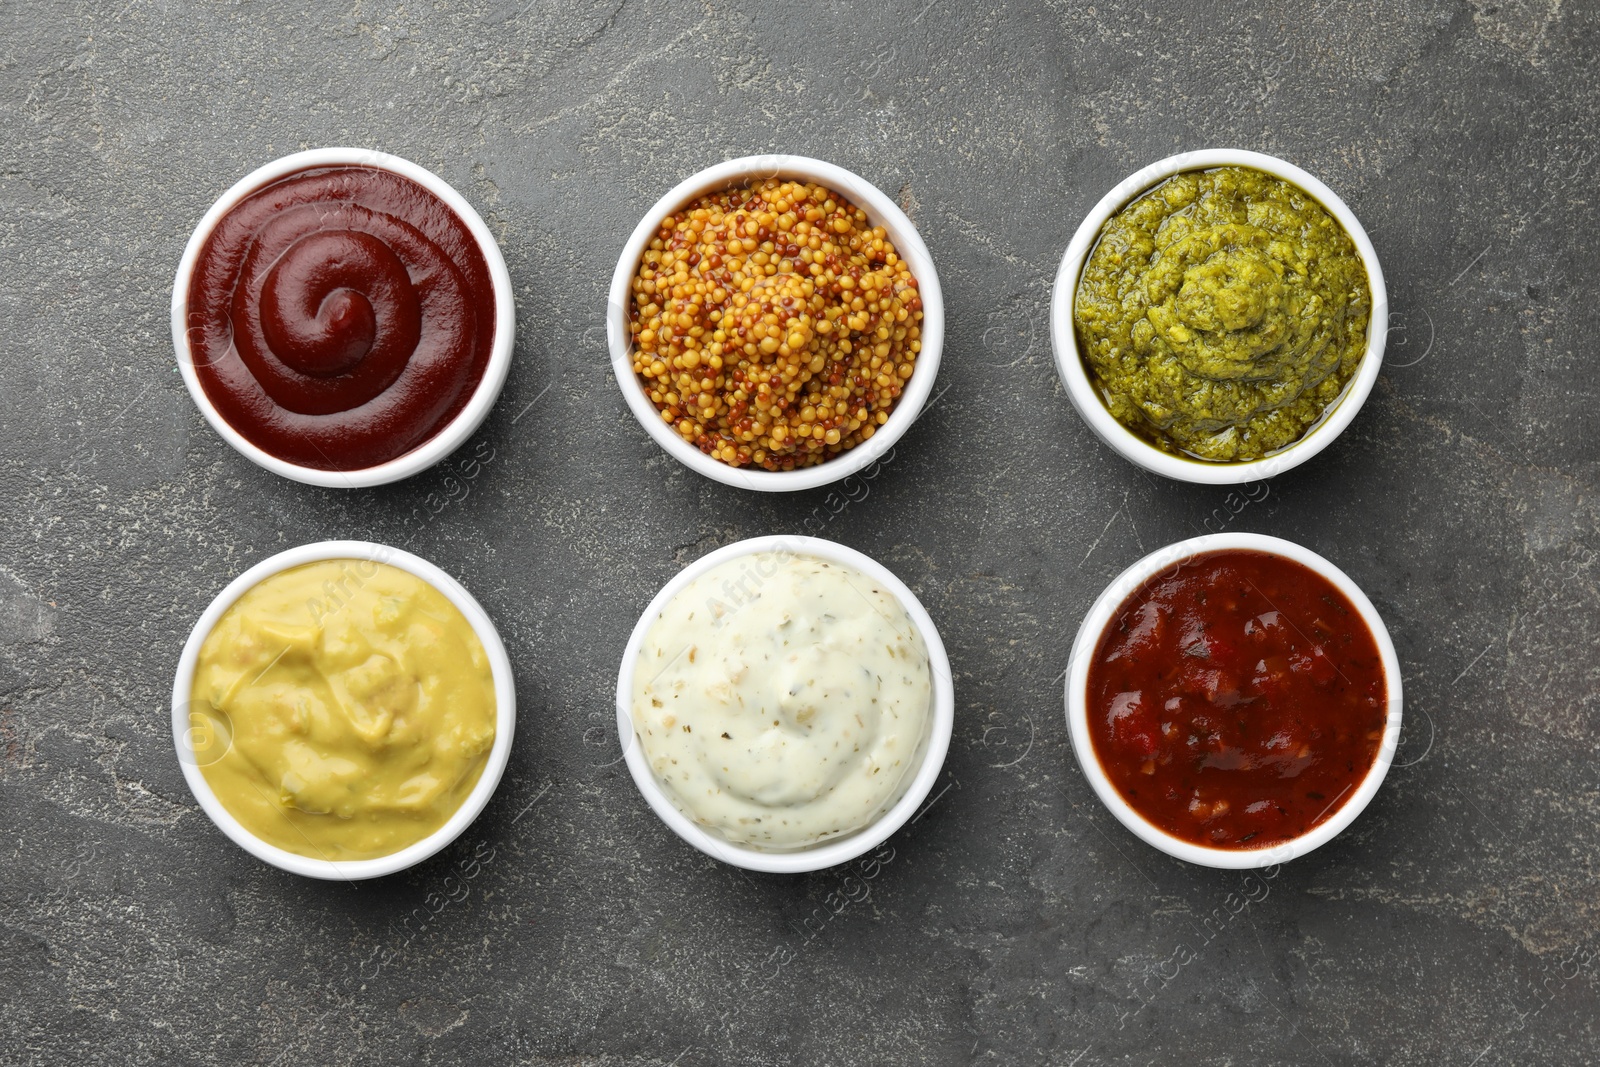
x: 504, y: 695
x: 1100, y: 616
x: 881, y: 211
x: 1085, y: 397
x: 458, y: 429
x: 941, y: 716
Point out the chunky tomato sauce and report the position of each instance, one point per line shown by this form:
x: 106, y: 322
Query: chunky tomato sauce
x: 1237, y: 700
x: 340, y: 317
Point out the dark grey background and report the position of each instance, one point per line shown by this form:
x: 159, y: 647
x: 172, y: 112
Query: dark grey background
x: 1017, y: 922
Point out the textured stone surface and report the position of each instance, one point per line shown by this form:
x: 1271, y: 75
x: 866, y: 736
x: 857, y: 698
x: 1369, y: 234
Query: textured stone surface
x: 1017, y: 923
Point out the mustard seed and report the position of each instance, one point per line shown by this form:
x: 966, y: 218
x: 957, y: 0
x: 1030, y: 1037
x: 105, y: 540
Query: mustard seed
x: 779, y: 358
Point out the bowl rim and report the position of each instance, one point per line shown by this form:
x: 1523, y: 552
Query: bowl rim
x: 457, y: 430
x: 476, y: 800
x: 1081, y: 391
x: 881, y: 211
x: 941, y: 715
x: 1076, y: 696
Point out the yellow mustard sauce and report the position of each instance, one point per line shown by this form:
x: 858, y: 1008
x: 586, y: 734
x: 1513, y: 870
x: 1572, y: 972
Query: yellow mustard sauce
x: 342, y: 710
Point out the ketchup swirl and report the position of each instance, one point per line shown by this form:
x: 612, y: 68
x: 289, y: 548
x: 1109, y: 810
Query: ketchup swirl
x: 340, y: 317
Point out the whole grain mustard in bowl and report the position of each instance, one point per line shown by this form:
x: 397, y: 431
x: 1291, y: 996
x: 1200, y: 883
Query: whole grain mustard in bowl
x: 775, y: 323
x: 1219, y: 317
x: 343, y: 710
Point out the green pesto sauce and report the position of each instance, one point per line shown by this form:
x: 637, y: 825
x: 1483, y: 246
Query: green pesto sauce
x: 1221, y: 313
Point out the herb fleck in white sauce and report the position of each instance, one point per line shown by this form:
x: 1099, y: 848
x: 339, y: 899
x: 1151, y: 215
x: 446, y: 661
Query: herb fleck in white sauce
x: 782, y: 700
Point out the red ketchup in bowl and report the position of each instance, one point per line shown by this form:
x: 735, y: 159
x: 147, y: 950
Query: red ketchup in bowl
x: 1237, y: 700
x: 340, y: 316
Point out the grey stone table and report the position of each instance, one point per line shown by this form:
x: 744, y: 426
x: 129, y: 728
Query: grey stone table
x: 1016, y: 922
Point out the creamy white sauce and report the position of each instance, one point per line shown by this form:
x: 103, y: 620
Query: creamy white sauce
x: 782, y: 700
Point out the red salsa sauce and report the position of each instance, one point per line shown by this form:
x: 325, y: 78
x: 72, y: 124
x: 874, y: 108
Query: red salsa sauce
x: 1237, y: 700
x: 340, y: 316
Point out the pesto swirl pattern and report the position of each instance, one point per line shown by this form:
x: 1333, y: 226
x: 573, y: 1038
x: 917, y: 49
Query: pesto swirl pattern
x: 1221, y: 313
